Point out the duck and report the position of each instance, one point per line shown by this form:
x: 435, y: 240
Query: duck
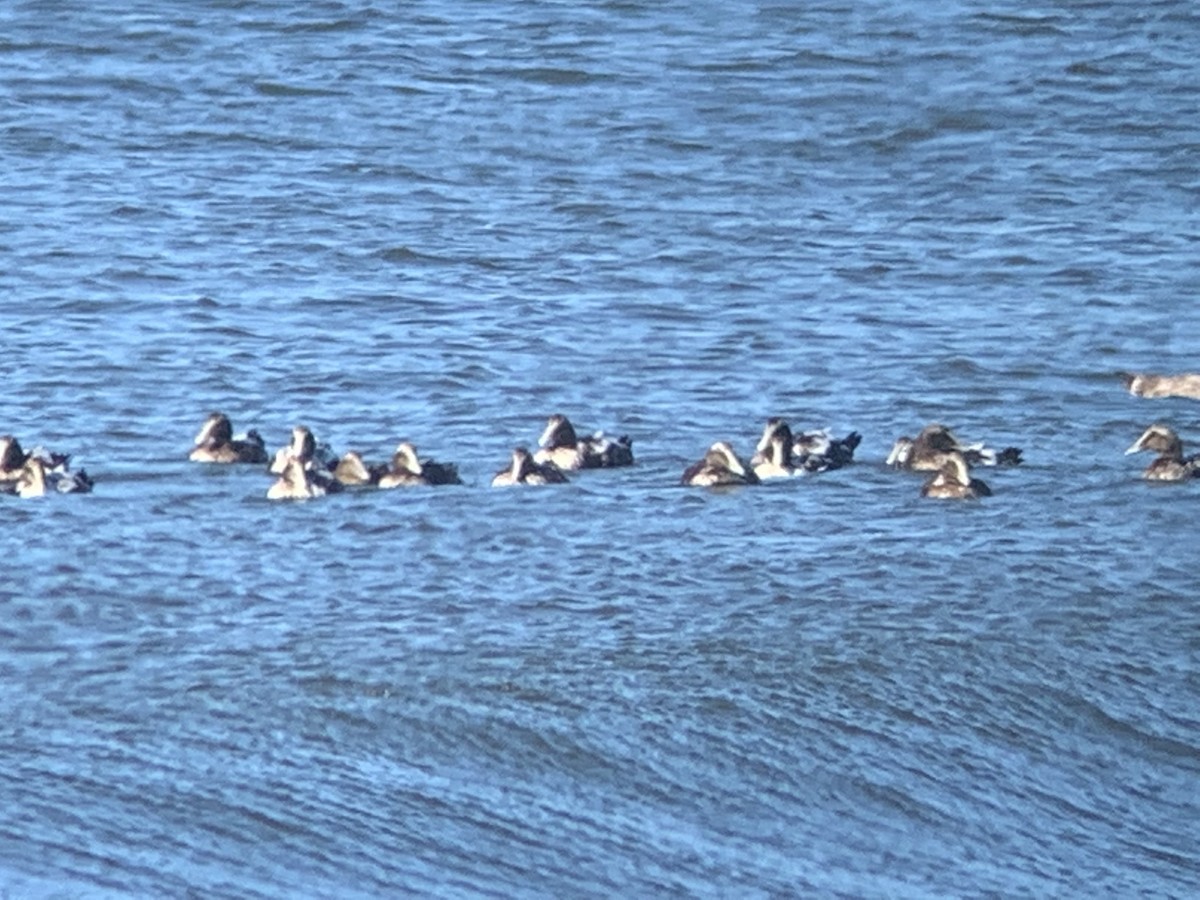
x: 305, y: 448
x: 215, y: 443
x: 720, y: 466
x: 1149, y: 385
x: 40, y: 476
x: 819, y: 451
x: 409, y: 470
x: 353, y: 471
x: 13, y: 459
x: 299, y: 481
x: 560, y: 445
x: 952, y: 480
x: 1170, y: 465
x: 811, y: 451
x: 524, y: 469
x: 924, y: 453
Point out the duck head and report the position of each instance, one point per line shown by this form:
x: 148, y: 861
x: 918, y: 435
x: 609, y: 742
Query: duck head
x: 405, y: 458
x: 953, y: 468
x: 902, y: 452
x: 721, y: 455
x: 775, y: 427
x: 522, y: 463
x: 304, y: 445
x: 1160, y: 439
x: 12, y: 457
x: 1134, y: 383
x: 558, y: 433
x: 936, y: 438
x: 352, y: 469
x: 216, y: 431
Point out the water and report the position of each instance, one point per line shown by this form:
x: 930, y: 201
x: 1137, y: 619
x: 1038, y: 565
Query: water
x: 446, y: 222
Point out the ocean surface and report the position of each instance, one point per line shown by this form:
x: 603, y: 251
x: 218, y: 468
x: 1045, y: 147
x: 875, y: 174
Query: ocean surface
x: 444, y: 221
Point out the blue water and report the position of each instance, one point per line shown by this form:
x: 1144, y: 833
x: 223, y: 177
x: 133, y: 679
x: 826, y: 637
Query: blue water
x: 447, y: 221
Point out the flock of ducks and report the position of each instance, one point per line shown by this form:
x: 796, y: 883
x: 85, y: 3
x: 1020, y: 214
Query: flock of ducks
x: 306, y: 468
x: 780, y: 455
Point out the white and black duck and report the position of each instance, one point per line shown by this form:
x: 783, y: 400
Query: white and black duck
x: 216, y: 443
x: 407, y: 469
x: 925, y: 451
x: 525, y: 470
x: 719, y: 466
x: 953, y: 481
x: 561, y: 445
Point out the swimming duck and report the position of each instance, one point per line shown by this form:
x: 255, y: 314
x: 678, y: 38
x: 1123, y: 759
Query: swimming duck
x: 305, y: 448
x: 298, y: 481
x: 924, y: 453
x: 812, y: 451
x: 560, y: 445
x: 979, y: 455
x: 13, y: 459
x: 353, y: 471
x: 818, y: 451
x: 1170, y: 464
x: 215, y: 443
x: 39, y: 476
x: 719, y: 466
x: 408, y: 470
x: 1147, y: 385
x: 952, y: 480
x: 524, y: 470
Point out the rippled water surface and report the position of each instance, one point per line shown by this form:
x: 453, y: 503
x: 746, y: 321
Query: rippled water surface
x: 444, y: 222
